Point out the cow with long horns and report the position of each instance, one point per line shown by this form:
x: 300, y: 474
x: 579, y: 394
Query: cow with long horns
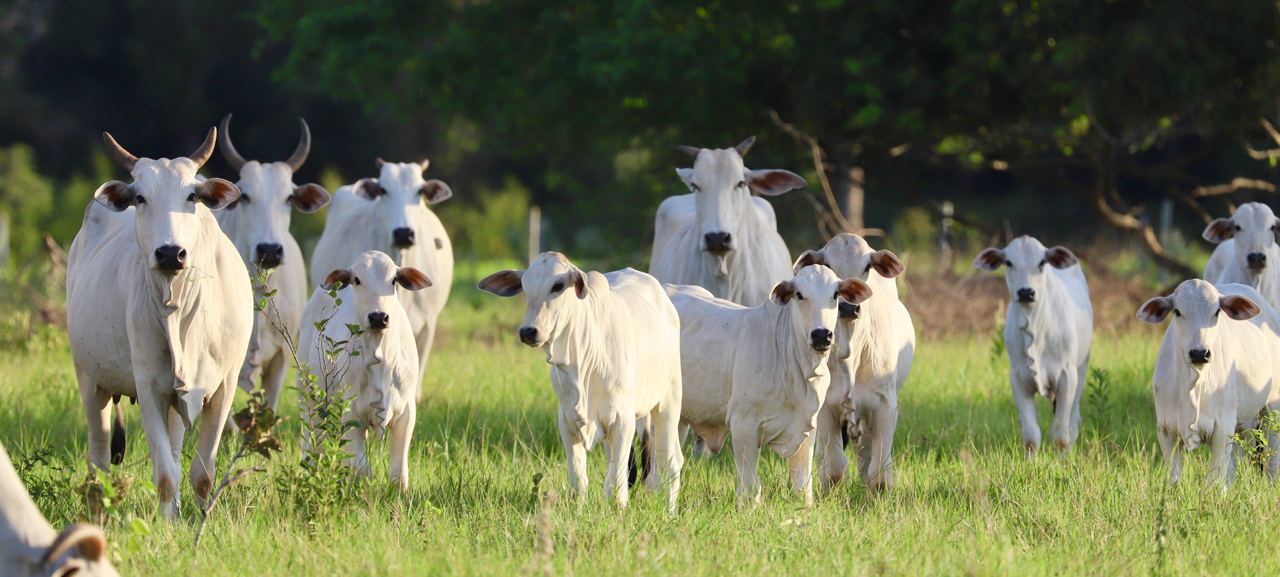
x: 159, y: 309
x: 258, y: 224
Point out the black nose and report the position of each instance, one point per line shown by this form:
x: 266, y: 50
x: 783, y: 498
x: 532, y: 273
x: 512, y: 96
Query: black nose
x: 1026, y: 295
x: 820, y: 339
x: 270, y: 255
x: 402, y: 237
x: 849, y: 310
x: 378, y: 320
x: 1200, y: 356
x: 169, y: 257
x: 1256, y: 260
x: 717, y: 242
x: 528, y: 335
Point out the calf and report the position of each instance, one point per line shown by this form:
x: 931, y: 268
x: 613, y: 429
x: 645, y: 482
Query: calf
x: 1247, y: 253
x: 761, y: 373
x: 29, y: 547
x: 1048, y: 332
x: 876, y: 345
x: 258, y: 224
x: 613, y: 343
x: 381, y: 365
x: 392, y: 214
x: 159, y: 308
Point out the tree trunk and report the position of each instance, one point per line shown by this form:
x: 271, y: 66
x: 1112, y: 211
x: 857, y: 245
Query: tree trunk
x: 854, y: 195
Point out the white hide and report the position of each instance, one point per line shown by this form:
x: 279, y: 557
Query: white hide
x: 363, y: 216
x: 721, y: 201
x: 382, y: 378
x: 873, y: 357
x: 1250, y: 230
x: 1048, y: 339
x: 755, y: 372
x: 29, y: 547
x: 1208, y: 403
x: 613, y: 343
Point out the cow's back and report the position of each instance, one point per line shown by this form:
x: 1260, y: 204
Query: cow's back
x: 710, y: 332
x: 433, y: 256
x: 654, y: 325
x: 350, y: 226
x: 1078, y: 308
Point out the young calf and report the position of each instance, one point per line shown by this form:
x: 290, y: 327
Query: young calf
x: 1247, y: 243
x: 1048, y: 332
x: 761, y: 373
x: 383, y: 378
x: 613, y: 343
x: 1215, y: 373
x: 875, y: 346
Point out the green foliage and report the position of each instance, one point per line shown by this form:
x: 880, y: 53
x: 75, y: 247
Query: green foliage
x: 1099, y: 397
x: 493, y: 226
x: 1254, y: 442
x: 997, y: 337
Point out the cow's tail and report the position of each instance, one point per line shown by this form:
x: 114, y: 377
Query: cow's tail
x: 639, y: 472
x: 117, y: 433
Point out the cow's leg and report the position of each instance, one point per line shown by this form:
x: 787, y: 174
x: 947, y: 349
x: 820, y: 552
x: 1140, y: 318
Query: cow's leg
x: 1060, y: 430
x: 1222, y: 462
x: 273, y: 374
x: 800, y: 466
x: 97, y: 411
x: 575, y: 460
x: 1082, y: 378
x: 1025, y: 398
x: 619, y: 441
x: 831, y: 440
x: 667, y: 457
x: 883, y: 427
x: 359, y: 459
x: 165, y: 476
x: 424, y: 340
x: 213, y: 418
x: 177, y: 433
x: 746, y: 454
x: 401, y: 436
x: 1171, y: 447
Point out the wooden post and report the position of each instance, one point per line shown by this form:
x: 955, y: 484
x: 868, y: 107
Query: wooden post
x: 535, y: 233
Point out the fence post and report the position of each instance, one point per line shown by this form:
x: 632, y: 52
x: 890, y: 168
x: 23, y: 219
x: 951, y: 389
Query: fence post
x: 4, y: 239
x: 535, y: 233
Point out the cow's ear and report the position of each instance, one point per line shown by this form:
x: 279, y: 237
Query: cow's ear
x: 336, y: 276
x: 1238, y: 308
x: 86, y: 539
x: 115, y: 195
x: 504, y: 283
x: 782, y: 292
x: 887, y: 264
x: 686, y: 176
x: 1219, y: 230
x: 435, y: 191
x: 809, y: 258
x: 309, y: 198
x: 854, y: 290
x: 773, y: 182
x: 1060, y: 257
x: 1155, y: 310
x: 989, y: 260
x: 412, y: 278
x: 217, y: 193
x: 368, y: 188
x: 579, y: 280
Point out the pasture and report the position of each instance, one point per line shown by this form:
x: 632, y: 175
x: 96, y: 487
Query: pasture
x: 486, y: 454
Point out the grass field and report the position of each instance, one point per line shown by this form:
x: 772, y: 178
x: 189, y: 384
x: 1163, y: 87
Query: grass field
x: 966, y: 502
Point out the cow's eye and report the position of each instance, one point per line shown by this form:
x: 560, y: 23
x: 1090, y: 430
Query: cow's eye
x: 139, y: 199
x: 244, y: 197
x: 355, y: 280
x: 1177, y: 313
x: 799, y: 296
x: 742, y: 184
x: 835, y: 295
x: 1238, y: 229
x: 1042, y: 263
x: 1008, y: 263
x: 559, y: 286
x: 1215, y: 313
x: 695, y: 187
x: 191, y: 197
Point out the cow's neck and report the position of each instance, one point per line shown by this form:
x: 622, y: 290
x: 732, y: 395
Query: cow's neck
x: 577, y: 350
x: 1035, y: 321
x: 730, y: 272
x: 795, y: 363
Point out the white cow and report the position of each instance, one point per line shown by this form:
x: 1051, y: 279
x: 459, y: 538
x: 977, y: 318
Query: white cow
x: 875, y: 346
x: 1216, y: 372
x: 613, y: 343
x: 383, y: 374
x: 159, y: 308
x: 1244, y: 258
x: 29, y: 547
x: 761, y: 373
x: 1048, y: 332
x: 390, y: 214
x: 258, y: 224
x: 719, y: 236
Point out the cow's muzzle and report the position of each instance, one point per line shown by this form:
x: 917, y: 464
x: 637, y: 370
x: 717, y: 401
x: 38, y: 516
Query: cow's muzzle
x: 1026, y: 295
x: 1256, y: 260
x: 269, y: 255
x: 378, y: 320
x: 529, y: 336
x: 1199, y: 356
x: 402, y: 237
x: 848, y: 310
x: 820, y: 340
x: 171, y: 258
x: 716, y: 243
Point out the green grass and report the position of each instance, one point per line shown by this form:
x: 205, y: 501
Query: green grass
x: 966, y: 502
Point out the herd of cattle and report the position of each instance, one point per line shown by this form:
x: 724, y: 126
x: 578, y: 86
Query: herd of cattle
x: 725, y: 335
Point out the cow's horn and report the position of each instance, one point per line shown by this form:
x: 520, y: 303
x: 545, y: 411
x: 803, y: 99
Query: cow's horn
x: 118, y: 152
x: 229, y: 150
x: 299, y: 155
x: 202, y: 154
x: 381, y: 162
x: 88, y: 538
x: 745, y: 145
x: 690, y: 150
